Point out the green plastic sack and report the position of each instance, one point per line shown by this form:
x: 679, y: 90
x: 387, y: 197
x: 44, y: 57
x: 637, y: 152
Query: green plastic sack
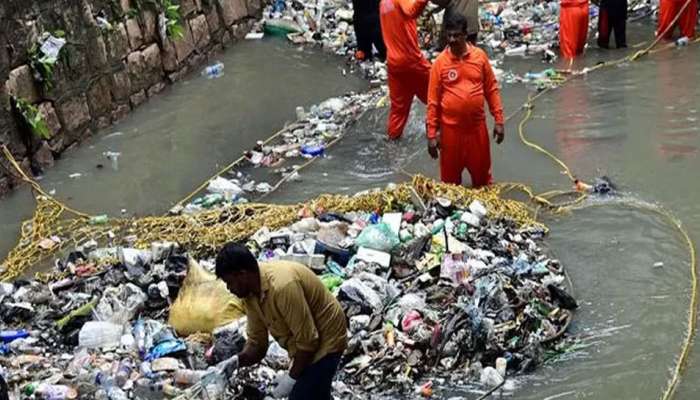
x: 203, y: 303
x: 378, y: 237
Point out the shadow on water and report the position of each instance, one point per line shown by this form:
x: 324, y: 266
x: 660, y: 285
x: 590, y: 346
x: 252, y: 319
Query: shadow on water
x: 636, y: 123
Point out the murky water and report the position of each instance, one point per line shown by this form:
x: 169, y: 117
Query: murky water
x: 636, y: 123
x: 176, y: 141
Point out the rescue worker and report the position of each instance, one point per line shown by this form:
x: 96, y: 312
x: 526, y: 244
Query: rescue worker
x: 612, y: 18
x: 367, y: 29
x: 408, y: 70
x: 573, y: 27
x: 669, y: 9
x: 469, y: 9
x: 460, y: 80
x: 289, y: 301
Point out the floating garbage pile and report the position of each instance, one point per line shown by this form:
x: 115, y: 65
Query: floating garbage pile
x: 429, y: 291
x: 308, y: 137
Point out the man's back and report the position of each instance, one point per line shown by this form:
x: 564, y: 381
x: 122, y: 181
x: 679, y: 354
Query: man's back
x: 297, y: 309
x: 398, y: 19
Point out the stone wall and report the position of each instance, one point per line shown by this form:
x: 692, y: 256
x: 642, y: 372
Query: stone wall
x: 102, y: 73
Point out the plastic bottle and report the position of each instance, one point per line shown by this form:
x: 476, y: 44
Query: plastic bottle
x: 9, y: 336
x: 109, y: 385
x: 278, y: 6
x: 501, y: 365
x: 123, y: 372
x: 312, y: 150
x: 215, y: 70
x: 140, y: 337
x: 53, y: 392
x: 145, y: 389
x: 301, y: 114
x: 24, y: 346
x: 98, y: 220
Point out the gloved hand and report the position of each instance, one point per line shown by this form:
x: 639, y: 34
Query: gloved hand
x: 283, y: 385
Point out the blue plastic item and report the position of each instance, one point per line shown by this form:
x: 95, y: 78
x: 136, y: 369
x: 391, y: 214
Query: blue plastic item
x: 9, y: 336
x: 165, y: 348
x: 313, y: 150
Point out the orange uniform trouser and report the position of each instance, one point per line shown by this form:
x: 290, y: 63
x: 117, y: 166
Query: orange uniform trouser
x: 668, y: 9
x: 465, y: 147
x: 573, y: 29
x: 404, y: 85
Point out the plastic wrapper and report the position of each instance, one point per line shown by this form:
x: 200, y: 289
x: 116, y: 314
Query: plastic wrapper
x: 378, y: 237
x: 119, y: 304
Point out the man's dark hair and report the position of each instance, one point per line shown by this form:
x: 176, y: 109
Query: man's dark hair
x: 456, y: 22
x: 235, y: 257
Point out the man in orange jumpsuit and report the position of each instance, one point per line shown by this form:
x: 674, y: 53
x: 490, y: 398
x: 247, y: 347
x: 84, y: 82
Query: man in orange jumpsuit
x: 460, y: 80
x: 408, y: 70
x: 669, y: 9
x: 573, y: 27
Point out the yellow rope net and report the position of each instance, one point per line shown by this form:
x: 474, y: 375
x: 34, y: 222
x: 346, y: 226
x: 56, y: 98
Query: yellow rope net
x: 54, y: 227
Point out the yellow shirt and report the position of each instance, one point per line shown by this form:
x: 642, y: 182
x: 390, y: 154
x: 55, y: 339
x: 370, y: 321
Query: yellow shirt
x: 297, y: 310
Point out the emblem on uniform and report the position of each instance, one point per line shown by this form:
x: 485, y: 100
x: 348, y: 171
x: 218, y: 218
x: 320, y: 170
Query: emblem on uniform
x: 452, y: 75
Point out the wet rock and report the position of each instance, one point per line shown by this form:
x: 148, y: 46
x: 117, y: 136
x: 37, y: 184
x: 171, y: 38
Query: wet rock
x: 43, y: 157
x: 185, y: 45
x: 170, y: 63
x: 48, y: 114
x: 121, y: 84
x: 137, y: 98
x: 200, y: 31
x: 150, y: 26
x: 117, y: 43
x: 188, y: 7
x: 233, y: 10
x: 120, y: 112
x: 74, y: 113
x: 213, y: 22
x: 134, y: 33
x: 99, y: 97
x: 155, y: 89
x: 20, y: 83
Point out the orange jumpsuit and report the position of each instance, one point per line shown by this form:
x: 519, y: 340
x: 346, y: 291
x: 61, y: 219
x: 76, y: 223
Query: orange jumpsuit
x: 573, y: 27
x: 668, y: 9
x: 408, y: 71
x: 458, y: 88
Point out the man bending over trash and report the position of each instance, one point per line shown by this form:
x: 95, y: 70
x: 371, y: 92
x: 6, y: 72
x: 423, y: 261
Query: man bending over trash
x: 289, y: 301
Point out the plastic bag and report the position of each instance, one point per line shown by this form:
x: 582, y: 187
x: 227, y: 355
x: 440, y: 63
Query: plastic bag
x: 378, y: 237
x: 203, y: 304
x: 120, y: 304
x: 96, y: 334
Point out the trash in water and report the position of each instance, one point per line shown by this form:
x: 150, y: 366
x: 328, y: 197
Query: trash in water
x: 130, y: 318
x: 213, y: 71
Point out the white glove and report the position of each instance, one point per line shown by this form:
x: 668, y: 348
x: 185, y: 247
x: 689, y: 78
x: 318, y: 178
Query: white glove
x: 284, y: 385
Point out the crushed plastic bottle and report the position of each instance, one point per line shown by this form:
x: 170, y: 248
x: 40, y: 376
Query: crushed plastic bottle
x: 213, y: 71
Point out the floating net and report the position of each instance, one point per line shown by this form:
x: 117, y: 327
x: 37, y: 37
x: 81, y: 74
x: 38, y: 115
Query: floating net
x: 55, y: 227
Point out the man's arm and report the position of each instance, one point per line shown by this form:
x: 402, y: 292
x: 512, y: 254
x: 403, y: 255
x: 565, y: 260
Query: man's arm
x: 434, y: 96
x: 256, y: 346
x: 292, y: 304
x: 412, y: 8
